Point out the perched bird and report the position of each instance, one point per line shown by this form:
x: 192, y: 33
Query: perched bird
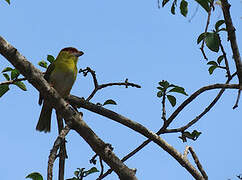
x: 61, y: 75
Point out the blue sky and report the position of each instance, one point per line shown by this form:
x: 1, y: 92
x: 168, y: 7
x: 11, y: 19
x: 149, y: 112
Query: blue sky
x: 121, y: 39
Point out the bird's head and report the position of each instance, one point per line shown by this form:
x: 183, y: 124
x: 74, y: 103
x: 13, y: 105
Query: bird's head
x: 70, y: 53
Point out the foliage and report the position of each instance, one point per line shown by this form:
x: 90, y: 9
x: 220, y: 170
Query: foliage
x: 11, y: 74
x: 81, y: 173
x: 205, y: 4
x: 35, y: 176
x: 193, y: 136
x: 163, y: 91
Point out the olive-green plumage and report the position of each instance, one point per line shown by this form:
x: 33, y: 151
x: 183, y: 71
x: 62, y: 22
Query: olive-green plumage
x: 61, y: 75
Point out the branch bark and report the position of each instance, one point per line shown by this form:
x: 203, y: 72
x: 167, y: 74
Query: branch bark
x: 232, y: 38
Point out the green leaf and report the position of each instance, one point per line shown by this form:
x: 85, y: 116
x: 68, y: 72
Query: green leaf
x: 7, y: 69
x: 187, y: 135
x: 160, y: 88
x: 212, y: 63
x: 159, y: 94
x: 6, y: 76
x: 43, y: 64
x: 211, y: 69
x: 201, y: 37
x: 218, y: 24
x: 196, y: 134
x: 172, y: 100
x: 35, y: 176
x: 3, y: 89
x: 212, y: 41
x: 164, y: 2
x: 14, y: 74
x: 8, y: 1
x: 21, y: 85
x: 183, y: 8
x: 204, y: 4
x: 220, y: 58
x: 178, y: 89
x: 90, y: 171
x: 173, y: 7
x: 164, y: 84
x: 50, y: 58
x: 109, y: 101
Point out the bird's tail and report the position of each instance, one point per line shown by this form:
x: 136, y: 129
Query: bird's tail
x: 45, y: 118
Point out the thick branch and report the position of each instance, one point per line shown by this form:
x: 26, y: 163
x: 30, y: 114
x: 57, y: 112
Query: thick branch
x: 232, y: 38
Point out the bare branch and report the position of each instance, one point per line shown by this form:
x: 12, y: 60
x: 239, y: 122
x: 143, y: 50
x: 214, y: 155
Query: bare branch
x: 183, y: 128
x: 225, y: 59
x: 164, y: 107
x: 237, y: 100
x: 186, y: 152
x: 99, y: 87
x: 199, y: 166
x: 232, y: 38
x: 53, y: 153
x: 62, y: 152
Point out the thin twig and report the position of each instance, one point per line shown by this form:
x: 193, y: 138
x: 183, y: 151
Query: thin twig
x: 164, y: 106
x: 225, y: 58
x: 62, y: 151
x: 186, y: 152
x: 237, y: 100
x: 206, y: 30
x: 12, y: 81
x: 53, y: 152
x: 101, y: 165
x: 206, y: 110
x: 199, y: 165
x: 98, y: 87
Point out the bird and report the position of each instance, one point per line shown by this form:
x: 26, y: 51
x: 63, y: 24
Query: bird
x: 61, y: 75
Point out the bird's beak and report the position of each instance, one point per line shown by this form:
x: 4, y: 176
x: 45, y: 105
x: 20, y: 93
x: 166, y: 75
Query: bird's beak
x: 79, y: 53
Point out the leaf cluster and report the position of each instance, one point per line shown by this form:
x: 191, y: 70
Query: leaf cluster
x: 165, y: 89
x: 205, y: 4
x: 187, y: 135
x: 81, y: 173
x: 44, y: 64
x: 11, y: 74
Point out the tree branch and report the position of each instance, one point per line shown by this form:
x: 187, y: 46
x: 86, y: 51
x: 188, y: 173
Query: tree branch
x: 232, y: 38
x: 12, y: 81
x: 199, y: 165
x: 99, y: 87
x: 183, y: 128
x: 53, y: 153
x: 71, y: 117
x: 192, y: 97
